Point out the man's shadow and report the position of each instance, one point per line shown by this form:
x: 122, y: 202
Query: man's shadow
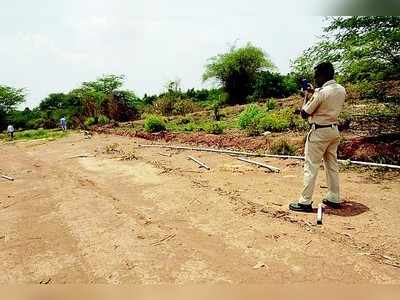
x: 347, y: 209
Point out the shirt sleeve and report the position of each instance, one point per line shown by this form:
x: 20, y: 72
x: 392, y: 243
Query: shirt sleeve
x: 314, y: 102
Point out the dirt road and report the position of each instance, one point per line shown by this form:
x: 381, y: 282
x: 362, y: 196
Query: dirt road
x: 161, y: 219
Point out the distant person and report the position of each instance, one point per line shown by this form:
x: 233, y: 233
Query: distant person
x: 10, y: 131
x: 322, y: 112
x: 63, y: 123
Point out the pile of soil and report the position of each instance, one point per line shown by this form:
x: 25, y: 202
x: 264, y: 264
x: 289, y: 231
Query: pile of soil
x: 383, y: 148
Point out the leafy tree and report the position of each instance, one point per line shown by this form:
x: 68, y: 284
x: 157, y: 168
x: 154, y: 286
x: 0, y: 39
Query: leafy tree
x: 362, y: 47
x: 54, y: 101
x: 237, y: 69
x: 106, y: 84
x: 268, y: 84
x: 10, y: 97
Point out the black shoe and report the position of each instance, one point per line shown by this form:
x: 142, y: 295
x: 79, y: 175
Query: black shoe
x: 295, y: 206
x: 331, y: 204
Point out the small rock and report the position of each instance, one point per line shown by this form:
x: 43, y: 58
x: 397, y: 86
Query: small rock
x: 267, y: 133
x: 140, y: 236
x: 260, y: 265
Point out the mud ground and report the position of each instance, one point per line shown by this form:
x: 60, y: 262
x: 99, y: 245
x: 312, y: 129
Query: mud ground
x: 160, y: 219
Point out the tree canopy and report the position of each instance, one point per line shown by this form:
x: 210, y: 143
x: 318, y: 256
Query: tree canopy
x: 361, y: 47
x: 237, y: 69
x: 10, y: 97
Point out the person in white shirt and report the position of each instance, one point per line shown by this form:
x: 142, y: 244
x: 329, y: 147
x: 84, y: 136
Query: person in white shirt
x: 10, y: 131
x: 63, y: 123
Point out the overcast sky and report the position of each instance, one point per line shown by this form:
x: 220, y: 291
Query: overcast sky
x: 53, y: 45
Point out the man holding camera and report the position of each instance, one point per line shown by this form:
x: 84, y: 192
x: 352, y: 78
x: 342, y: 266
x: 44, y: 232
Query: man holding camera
x: 322, y: 112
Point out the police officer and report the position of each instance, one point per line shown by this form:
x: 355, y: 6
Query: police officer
x: 322, y: 112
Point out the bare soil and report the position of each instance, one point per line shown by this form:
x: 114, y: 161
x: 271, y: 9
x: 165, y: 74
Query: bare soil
x: 160, y: 219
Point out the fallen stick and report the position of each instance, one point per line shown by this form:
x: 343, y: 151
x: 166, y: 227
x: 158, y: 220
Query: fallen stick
x: 362, y: 163
x: 168, y: 155
x: 165, y: 239
x: 8, y: 178
x: 199, y: 162
x: 270, y: 168
x: 80, y: 156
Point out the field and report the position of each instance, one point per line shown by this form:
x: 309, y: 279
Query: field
x: 102, y: 209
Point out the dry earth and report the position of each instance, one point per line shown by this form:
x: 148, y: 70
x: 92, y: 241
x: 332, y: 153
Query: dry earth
x: 161, y: 219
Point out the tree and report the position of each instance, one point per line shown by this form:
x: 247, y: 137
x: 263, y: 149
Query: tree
x: 361, y: 47
x: 106, y: 84
x: 237, y: 69
x: 268, y: 84
x: 10, y: 97
x: 54, y: 101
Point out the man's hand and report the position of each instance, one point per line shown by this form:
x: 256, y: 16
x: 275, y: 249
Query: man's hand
x: 304, y: 114
x: 310, y: 89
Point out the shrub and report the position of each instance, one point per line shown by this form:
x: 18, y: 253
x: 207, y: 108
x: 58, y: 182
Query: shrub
x: 250, y: 116
x: 103, y: 120
x: 282, y: 147
x: 183, y: 107
x: 192, y: 126
x: 214, y: 128
x: 184, y: 120
x: 271, y: 104
x: 154, y: 123
x: 273, y: 122
x: 90, y: 121
x: 164, y: 105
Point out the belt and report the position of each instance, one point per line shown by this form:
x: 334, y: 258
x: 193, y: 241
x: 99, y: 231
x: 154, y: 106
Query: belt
x: 317, y: 126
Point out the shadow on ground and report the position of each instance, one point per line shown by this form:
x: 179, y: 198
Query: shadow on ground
x: 348, y: 209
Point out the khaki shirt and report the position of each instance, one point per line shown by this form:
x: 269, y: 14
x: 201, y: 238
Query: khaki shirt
x: 326, y: 104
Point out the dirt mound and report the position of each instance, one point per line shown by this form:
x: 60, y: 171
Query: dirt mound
x: 383, y: 148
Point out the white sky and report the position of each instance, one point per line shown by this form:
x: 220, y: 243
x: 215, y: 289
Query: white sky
x: 52, y: 45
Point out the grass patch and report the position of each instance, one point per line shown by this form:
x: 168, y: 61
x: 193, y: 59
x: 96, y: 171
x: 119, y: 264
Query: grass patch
x: 37, y: 134
x: 282, y: 147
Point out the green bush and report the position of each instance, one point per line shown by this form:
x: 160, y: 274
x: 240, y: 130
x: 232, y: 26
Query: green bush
x: 184, y: 120
x: 183, y: 107
x: 214, y: 128
x: 271, y: 104
x: 90, y: 121
x: 282, y: 147
x: 273, y: 122
x: 250, y: 116
x: 103, y: 120
x: 154, y: 123
x: 164, y: 105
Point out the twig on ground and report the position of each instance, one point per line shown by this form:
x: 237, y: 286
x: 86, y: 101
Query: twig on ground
x: 165, y: 239
x: 7, y: 177
x: 201, y: 165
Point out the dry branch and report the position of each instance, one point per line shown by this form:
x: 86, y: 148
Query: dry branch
x: 270, y: 168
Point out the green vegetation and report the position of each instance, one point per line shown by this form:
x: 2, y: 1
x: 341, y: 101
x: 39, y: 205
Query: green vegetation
x: 214, y: 128
x: 362, y: 48
x: 237, y: 70
x: 90, y: 121
x: 103, y: 120
x: 250, y: 116
x: 255, y: 120
x: 154, y: 123
x: 36, y: 134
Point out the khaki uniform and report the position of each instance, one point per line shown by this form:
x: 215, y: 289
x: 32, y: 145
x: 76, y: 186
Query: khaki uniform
x: 324, y: 108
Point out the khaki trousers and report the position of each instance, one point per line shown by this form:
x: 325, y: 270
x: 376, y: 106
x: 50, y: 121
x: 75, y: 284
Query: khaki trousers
x: 321, y: 144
